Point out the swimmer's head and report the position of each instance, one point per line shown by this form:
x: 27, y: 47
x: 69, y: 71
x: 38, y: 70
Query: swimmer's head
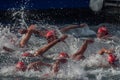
x: 102, y: 31
x: 111, y: 58
x: 63, y: 55
x: 50, y: 35
x: 20, y: 66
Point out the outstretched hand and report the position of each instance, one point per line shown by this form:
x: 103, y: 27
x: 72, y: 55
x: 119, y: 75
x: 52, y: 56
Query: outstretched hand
x: 24, y: 31
x: 32, y: 27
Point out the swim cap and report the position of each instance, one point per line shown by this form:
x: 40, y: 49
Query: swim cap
x: 26, y: 54
x: 63, y: 55
x: 103, y: 29
x: 111, y: 58
x: 21, y: 66
x: 50, y: 33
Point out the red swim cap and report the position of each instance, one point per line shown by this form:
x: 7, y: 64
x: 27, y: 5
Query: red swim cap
x: 50, y: 33
x: 111, y: 58
x: 103, y: 29
x: 63, y: 55
x: 26, y: 54
x: 21, y: 66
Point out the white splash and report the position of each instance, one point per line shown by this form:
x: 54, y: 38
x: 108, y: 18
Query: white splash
x: 74, y: 70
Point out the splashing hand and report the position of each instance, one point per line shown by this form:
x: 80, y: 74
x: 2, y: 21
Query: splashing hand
x: 32, y: 27
x: 22, y: 31
x: 110, y: 51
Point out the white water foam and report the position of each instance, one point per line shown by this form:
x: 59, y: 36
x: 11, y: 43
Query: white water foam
x: 74, y: 69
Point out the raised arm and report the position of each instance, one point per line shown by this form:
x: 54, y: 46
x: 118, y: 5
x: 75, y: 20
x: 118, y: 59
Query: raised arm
x: 42, y: 50
x: 27, y: 36
x: 35, y: 31
x: 80, y: 53
x: 54, y: 71
x: 72, y: 27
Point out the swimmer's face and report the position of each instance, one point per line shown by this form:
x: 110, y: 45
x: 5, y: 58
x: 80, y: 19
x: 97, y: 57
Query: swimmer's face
x: 100, y: 35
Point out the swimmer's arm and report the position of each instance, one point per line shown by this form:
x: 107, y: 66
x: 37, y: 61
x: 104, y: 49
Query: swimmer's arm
x: 24, y: 31
x: 104, y: 50
x: 39, y: 32
x: 82, y: 49
x: 26, y: 38
x: 8, y: 49
x: 48, y: 65
x: 33, y: 65
x: 41, y: 51
x: 35, y: 31
x: 55, y: 68
x: 72, y: 27
x: 54, y: 71
x: 36, y: 64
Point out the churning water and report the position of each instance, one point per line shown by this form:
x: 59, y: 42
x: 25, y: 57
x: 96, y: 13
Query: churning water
x: 89, y: 69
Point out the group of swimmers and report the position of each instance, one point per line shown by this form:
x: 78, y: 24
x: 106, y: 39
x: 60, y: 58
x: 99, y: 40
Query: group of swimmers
x: 52, y: 39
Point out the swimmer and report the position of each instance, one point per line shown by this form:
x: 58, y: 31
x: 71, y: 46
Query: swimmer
x: 103, y: 32
x: 40, y: 52
x: 36, y: 66
x: 23, y: 40
x: 62, y: 58
x: 50, y: 35
x: 111, y: 58
x: 27, y: 36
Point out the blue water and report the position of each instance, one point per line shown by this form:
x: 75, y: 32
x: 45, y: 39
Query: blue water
x: 43, y: 4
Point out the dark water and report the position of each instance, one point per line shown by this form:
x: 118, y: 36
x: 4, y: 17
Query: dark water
x: 60, y: 16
